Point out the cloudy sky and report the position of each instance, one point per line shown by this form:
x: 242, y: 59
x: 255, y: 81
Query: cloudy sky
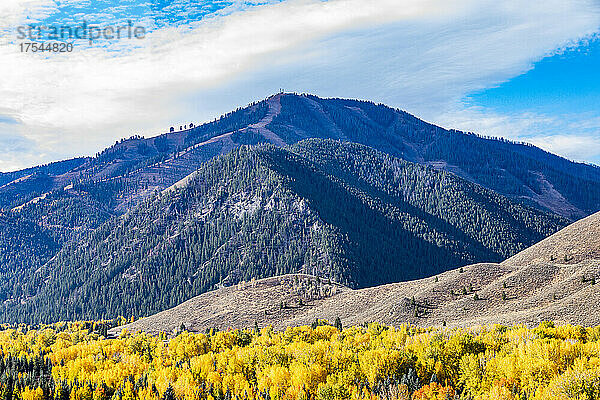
x: 517, y: 69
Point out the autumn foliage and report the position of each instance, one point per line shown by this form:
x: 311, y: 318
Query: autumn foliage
x: 74, y: 361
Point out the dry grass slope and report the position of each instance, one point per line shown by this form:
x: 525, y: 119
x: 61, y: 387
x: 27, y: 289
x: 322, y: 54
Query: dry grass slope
x: 578, y: 242
x: 552, y: 280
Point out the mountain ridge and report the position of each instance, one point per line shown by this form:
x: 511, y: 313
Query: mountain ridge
x: 286, y: 118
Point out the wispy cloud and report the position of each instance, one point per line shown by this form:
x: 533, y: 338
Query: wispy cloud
x: 573, y: 146
x: 16, y: 12
x: 14, y: 148
x: 419, y: 55
x: 574, y: 136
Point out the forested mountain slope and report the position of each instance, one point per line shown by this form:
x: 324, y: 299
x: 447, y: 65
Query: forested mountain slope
x: 56, y: 168
x: 19, y: 187
x: 34, y: 233
x: 330, y: 208
x: 45, y: 207
x: 522, y: 172
x: 534, y: 286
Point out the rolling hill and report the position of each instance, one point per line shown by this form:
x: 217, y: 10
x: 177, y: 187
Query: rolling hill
x: 336, y: 209
x: 531, y: 287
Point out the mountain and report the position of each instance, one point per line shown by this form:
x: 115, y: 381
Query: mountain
x: 52, y: 212
x: 86, y: 192
x: 19, y: 187
x: 127, y: 173
x: 534, y: 286
x: 519, y: 171
x: 132, y: 169
x: 336, y: 209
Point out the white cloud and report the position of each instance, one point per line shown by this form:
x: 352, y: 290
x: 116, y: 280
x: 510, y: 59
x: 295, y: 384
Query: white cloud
x: 574, y: 136
x: 15, y: 12
x: 514, y: 127
x: 420, y: 55
x: 575, y: 147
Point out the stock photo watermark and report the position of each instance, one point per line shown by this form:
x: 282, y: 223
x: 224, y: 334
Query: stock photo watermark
x: 61, y: 39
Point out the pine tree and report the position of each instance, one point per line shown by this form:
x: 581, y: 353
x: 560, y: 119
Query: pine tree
x: 169, y: 394
x: 338, y: 324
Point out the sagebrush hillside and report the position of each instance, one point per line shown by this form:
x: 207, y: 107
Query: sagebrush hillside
x: 580, y: 242
x: 522, y: 290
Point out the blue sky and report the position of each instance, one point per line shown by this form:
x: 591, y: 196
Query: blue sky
x: 156, y: 14
x: 511, y: 69
x: 567, y: 82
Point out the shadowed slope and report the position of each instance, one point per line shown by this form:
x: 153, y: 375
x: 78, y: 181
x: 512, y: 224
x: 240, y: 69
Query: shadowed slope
x: 527, y: 289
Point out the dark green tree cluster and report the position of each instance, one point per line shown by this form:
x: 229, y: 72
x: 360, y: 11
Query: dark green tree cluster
x: 33, y: 234
x: 16, y: 373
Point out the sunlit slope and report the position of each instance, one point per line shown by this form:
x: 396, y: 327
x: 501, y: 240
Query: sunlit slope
x: 579, y: 241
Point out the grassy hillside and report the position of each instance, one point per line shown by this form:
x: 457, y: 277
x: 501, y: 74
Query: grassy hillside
x: 533, y: 286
